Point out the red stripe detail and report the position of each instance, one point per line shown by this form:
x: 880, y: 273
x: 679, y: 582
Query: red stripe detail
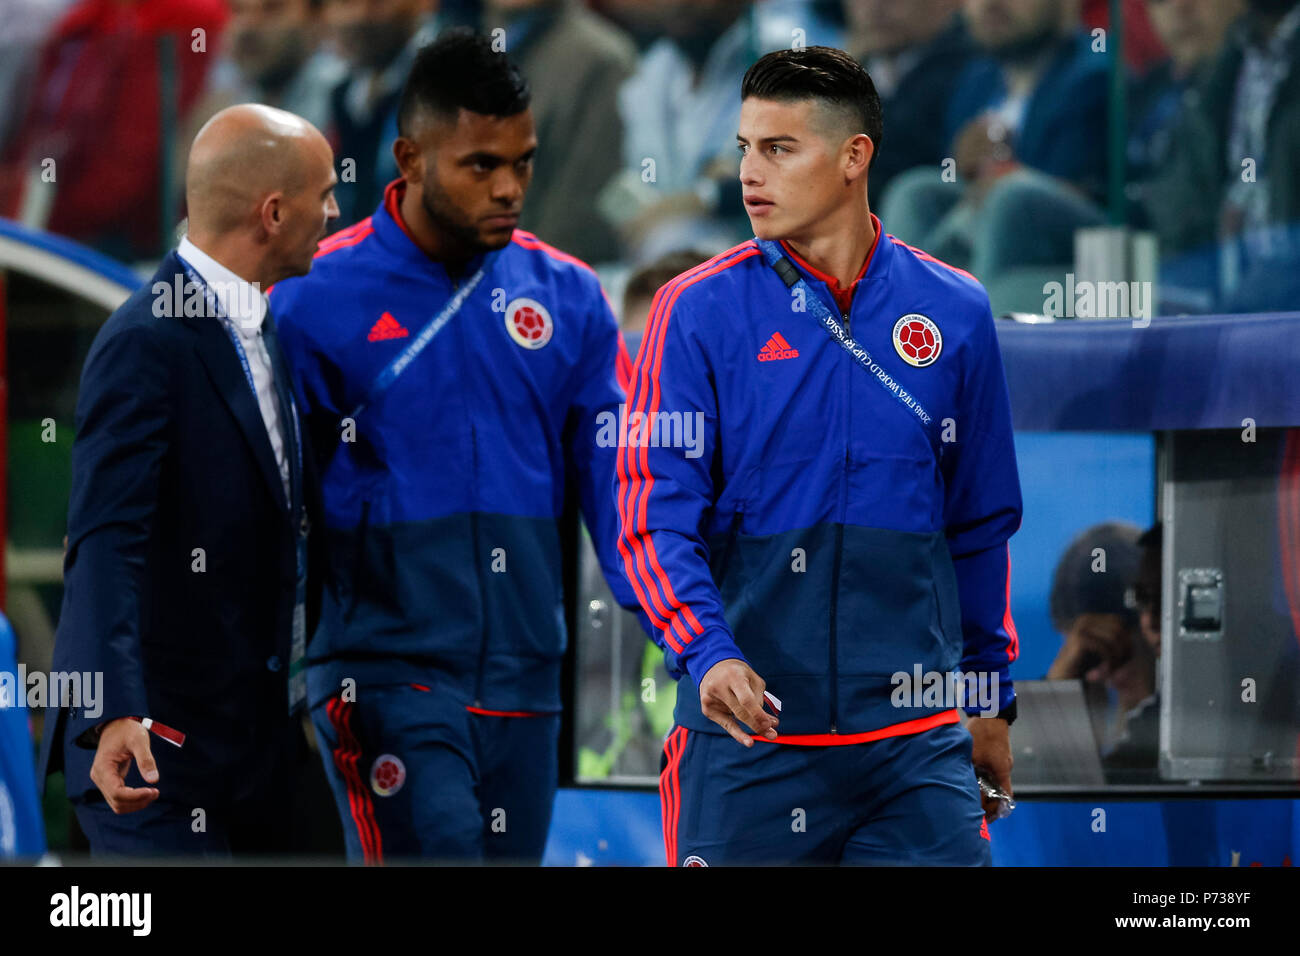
x: 644, y: 464
x: 530, y: 241
x: 677, y: 787
x: 340, y: 241
x: 665, y: 799
x: 421, y: 687
x: 367, y: 801
x: 839, y: 740
x: 652, y: 605
x: 1008, y: 625
x: 346, y: 757
x: 670, y: 791
x: 632, y: 472
x: 347, y: 232
x: 623, y: 367
x: 921, y: 254
x: 342, y: 761
x: 504, y: 713
x: 625, y: 462
x: 833, y: 283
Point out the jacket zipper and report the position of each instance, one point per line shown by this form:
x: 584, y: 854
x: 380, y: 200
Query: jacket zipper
x: 835, y: 596
x: 734, y: 530
x: 839, y: 553
x: 358, y: 563
x: 478, y: 569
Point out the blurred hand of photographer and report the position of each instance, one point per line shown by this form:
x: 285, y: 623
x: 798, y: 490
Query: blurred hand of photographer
x: 1096, y: 645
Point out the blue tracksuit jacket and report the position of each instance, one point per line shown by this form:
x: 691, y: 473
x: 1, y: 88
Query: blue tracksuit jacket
x: 441, y: 505
x: 820, y: 531
x: 22, y: 829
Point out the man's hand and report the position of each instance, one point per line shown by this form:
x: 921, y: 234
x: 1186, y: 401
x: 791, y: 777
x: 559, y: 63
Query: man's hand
x: 982, y: 152
x: 991, y: 752
x: 1095, y: 645
x: 731, y: 691
x: 121, y: 741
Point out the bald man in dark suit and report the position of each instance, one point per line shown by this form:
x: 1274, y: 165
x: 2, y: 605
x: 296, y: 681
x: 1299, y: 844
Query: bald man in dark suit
x: 190, y: 575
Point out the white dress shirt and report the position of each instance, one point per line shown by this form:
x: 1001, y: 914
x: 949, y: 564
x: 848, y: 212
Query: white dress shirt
x: 245, y: 304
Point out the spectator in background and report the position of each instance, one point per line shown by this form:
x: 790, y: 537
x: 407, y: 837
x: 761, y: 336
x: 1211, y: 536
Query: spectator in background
x: 679, y: 184
x: 1105, y: 601
x: 1192, y: 32
x: 27, y: 26
x: 272, y: 55
x: 97, y: 112
x: 1138, y: 745
x: 1226, y: 206
x: 1026, y: 132
x: 378, y: 39
x: 678, y: 110
x: 575, y: 62
x: 915, y: 53
x: 640, y: 291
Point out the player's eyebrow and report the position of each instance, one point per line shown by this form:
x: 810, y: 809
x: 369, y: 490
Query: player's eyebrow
x: 769, y: 139
x: 492, y: 159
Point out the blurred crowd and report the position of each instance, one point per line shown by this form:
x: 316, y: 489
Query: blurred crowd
x: 1008, y: 126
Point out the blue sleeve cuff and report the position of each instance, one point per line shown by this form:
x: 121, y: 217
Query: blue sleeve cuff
x: 714, y: 645
x: 1006, y: 694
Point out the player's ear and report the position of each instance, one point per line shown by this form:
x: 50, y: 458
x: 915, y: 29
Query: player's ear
x: 409, y: 158
x: 859, y: 151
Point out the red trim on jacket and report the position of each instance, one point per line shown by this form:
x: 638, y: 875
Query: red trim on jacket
x: 839, y: 740
x: 843, y: 296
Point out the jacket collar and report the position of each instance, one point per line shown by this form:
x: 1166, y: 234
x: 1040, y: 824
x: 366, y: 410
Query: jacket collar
x: 241, y: 300
x: 873, y: 267
x: 397, y: 239
x: 213, y: 346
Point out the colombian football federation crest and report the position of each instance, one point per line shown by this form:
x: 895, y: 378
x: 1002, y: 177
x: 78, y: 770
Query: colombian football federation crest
x: 387, y: 775
x: 528, y: 323
x: 917, y: 340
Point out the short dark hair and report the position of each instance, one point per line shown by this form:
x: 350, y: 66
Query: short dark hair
x: 460, y: 70
x: 646, y: 281
x: 1078, y: 587
x: 819, y: 73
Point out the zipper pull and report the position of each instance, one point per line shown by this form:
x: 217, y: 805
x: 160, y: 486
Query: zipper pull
x: 846, y: 325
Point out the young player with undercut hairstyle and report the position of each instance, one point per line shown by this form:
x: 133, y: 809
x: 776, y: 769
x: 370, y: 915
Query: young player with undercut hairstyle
x: 846, y: 523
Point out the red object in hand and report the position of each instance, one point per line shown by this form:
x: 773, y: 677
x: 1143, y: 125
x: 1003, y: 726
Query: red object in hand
x: 169, y: 734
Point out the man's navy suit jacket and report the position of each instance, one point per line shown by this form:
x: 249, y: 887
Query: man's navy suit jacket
x: 172, y: 456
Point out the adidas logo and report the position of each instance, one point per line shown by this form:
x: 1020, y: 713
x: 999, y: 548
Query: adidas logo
x: 387, y: 328
x: 777, y: 348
